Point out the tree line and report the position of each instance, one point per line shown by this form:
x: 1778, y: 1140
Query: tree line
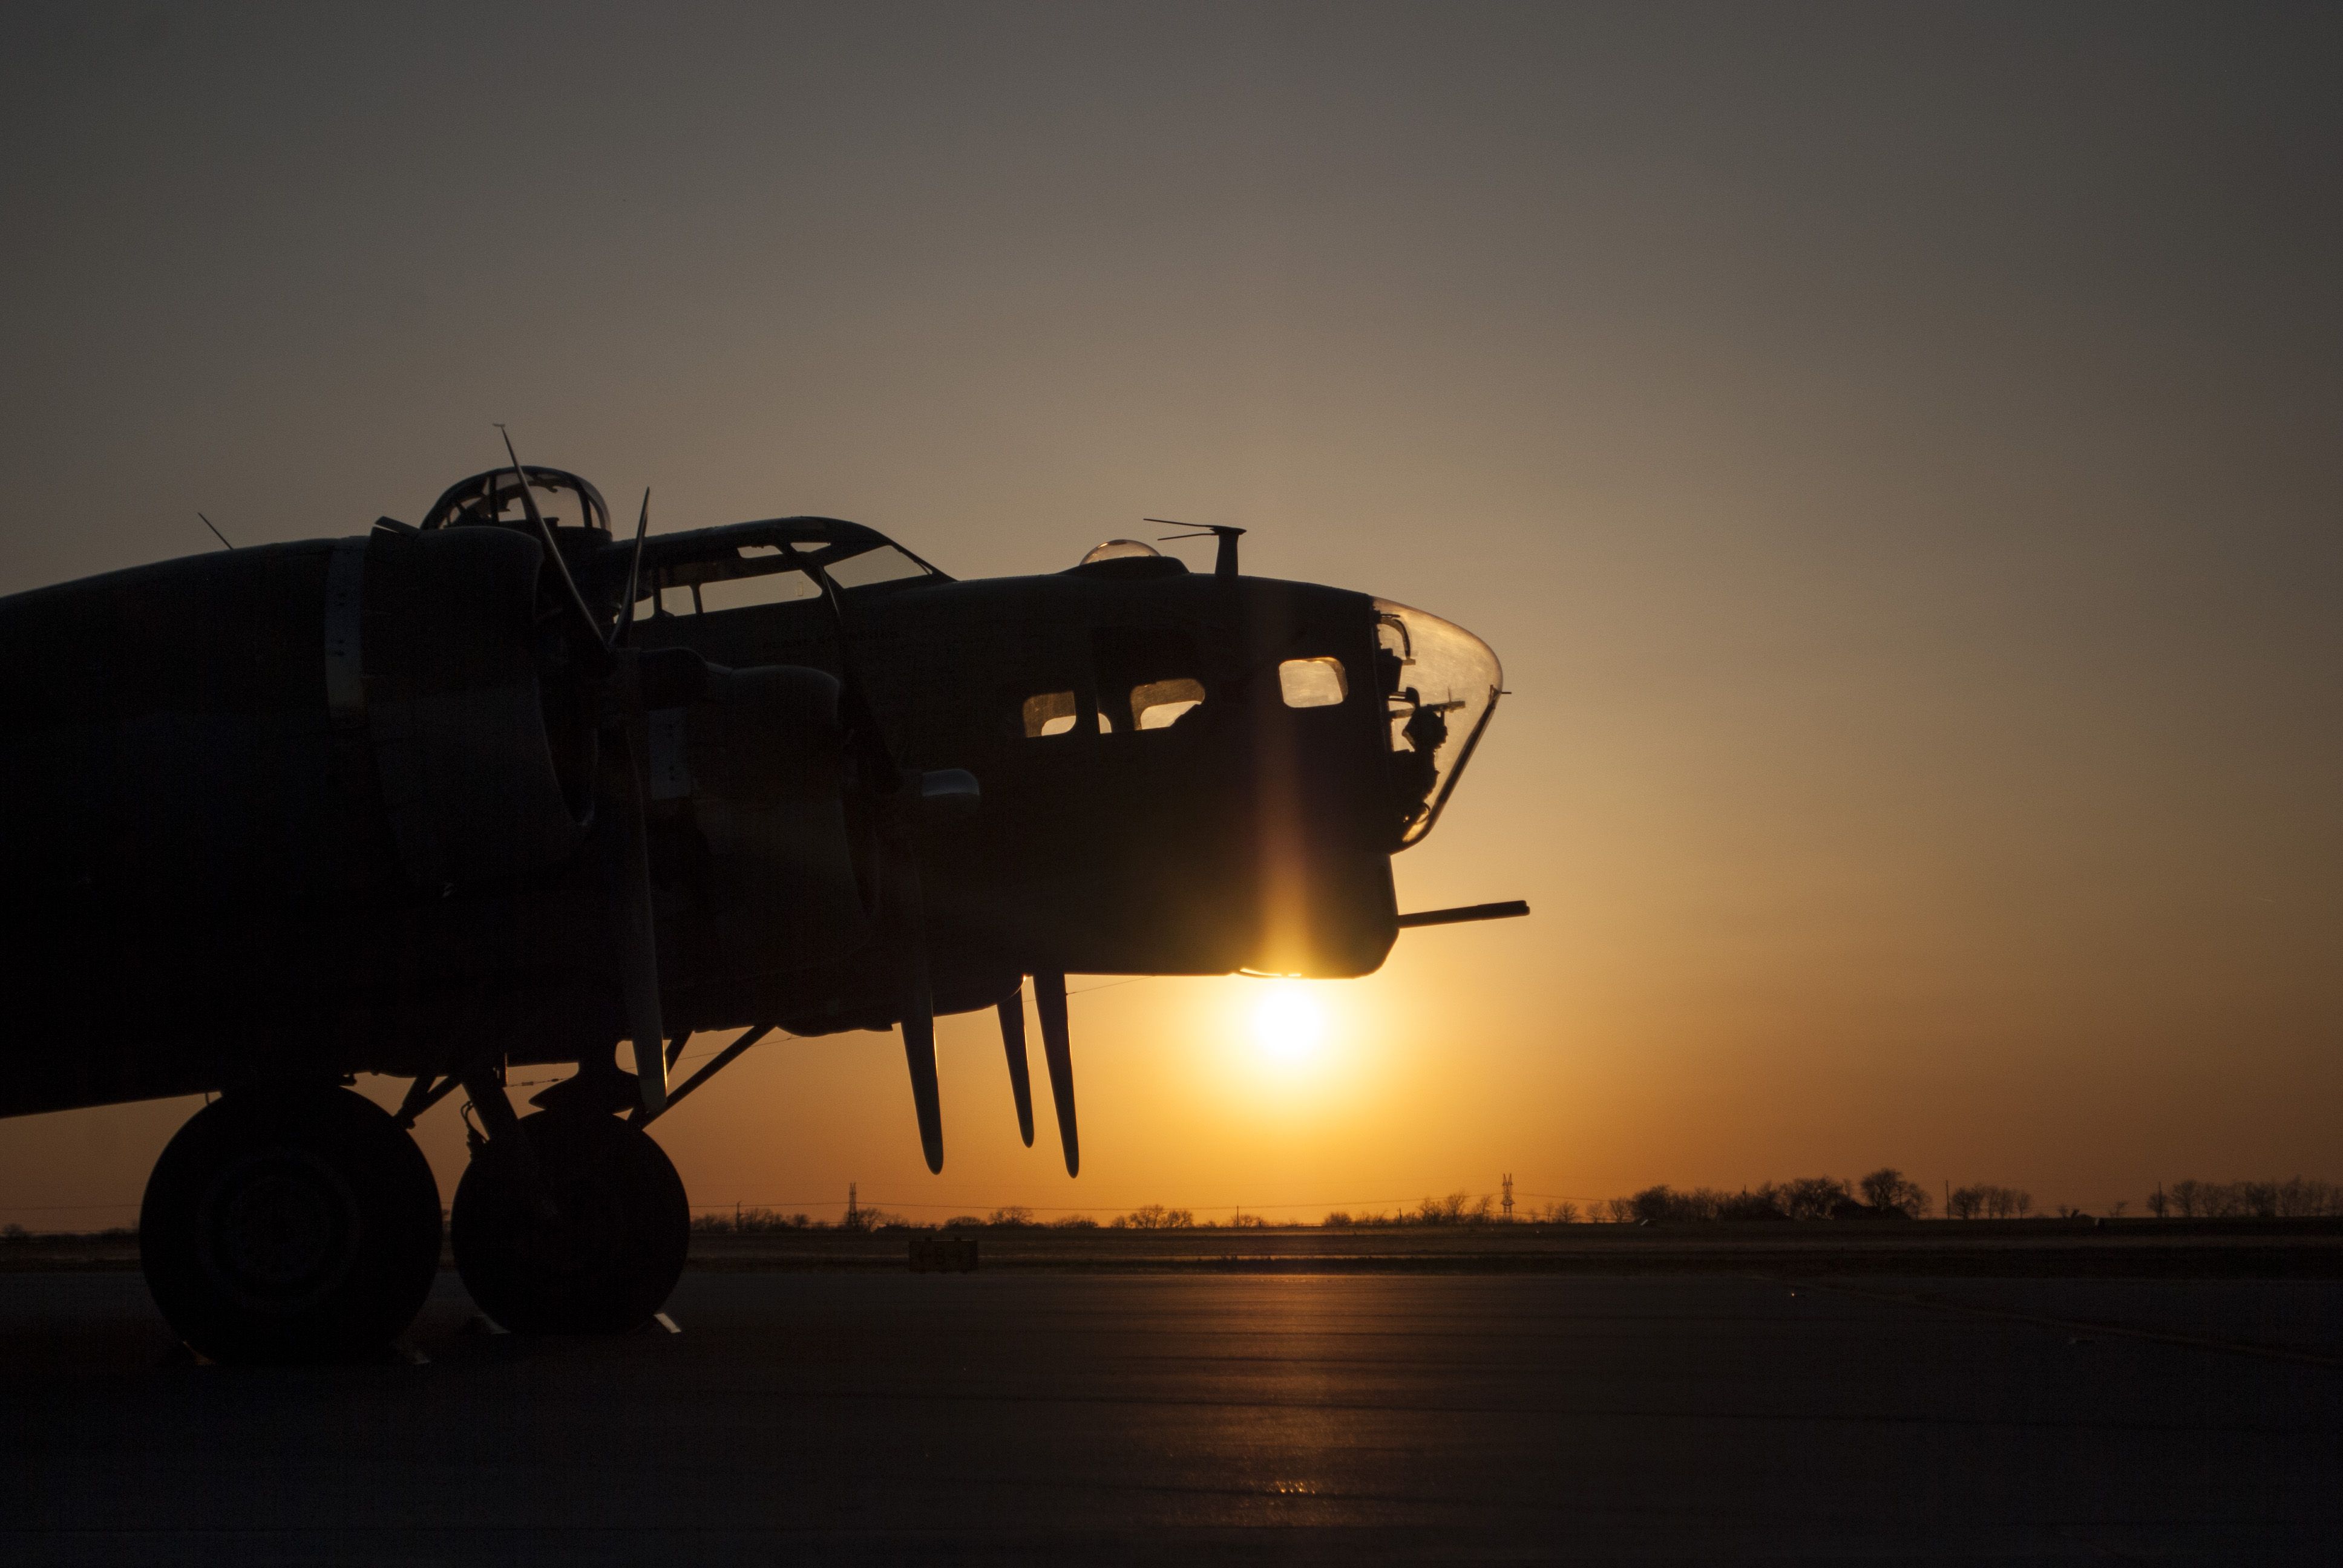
x: 2299, y: 1198
x: 1883, y: 1194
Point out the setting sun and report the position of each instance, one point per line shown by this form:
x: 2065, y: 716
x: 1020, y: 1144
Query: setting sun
x: 1287, y: 1024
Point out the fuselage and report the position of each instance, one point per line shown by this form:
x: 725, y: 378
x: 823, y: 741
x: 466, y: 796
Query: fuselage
x: 255, y: 827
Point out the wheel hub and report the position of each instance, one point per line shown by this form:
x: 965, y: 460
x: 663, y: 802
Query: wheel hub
x: 283, y: 1229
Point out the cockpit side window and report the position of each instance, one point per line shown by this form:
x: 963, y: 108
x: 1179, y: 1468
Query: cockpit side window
x: 750, y: 574
x: 1149, y: 679
x: 713, y: 575
x: 885, y: 564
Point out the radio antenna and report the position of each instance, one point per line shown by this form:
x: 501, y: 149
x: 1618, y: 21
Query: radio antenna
x: 216, y: 533
x: 1224, y: 560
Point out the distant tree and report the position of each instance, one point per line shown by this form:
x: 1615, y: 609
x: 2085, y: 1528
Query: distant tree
x: 1812, y: 1196
x: 1654, y: 1204
x: 1914, y: 1200
x: 1619, y: 1211
x: 1011, y: 1215
x: 1964, y: 1204
x: 1448, y: 1210
x: 744, y: 1221
x: 1074, y: 1222
x: 2294, y: 1198
x: 1561, y: 1213
x: 2115, y: 1208
x: 1764, y: 1203
x: 2157, y: 1204
x: 1886, y: 1191
x: 2301, y: 1199
x: 1338, y: 1217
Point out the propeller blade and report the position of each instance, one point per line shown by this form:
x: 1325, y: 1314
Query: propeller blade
x: 918, y: 1001
x: 1020, y: 1077
x: 586, y: 629
x: 894, y: 812
x: 920, y: 1052
x: 1057, y: 1053
x: 634, y: 575
x: 633, y: 921
x: 882, y: 776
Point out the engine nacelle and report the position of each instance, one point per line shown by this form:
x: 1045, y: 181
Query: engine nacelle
x: 483, y: 751
x: 318, y: 718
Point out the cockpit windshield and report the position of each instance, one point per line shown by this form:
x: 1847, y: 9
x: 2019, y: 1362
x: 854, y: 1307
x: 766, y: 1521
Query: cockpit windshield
x: 1440, y: 683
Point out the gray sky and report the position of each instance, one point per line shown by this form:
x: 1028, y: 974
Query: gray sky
x: 1894, y: 450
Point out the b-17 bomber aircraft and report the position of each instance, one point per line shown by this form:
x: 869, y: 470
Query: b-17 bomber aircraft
x: 501, y: 789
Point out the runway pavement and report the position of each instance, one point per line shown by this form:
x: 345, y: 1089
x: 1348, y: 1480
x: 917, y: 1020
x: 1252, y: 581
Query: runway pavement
x: 1177, y: 1418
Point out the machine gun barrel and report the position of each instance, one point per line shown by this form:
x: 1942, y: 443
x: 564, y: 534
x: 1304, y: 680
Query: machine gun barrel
x: 1507, y: 910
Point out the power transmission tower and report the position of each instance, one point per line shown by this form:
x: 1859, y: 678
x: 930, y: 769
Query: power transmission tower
x: 1508, y: 1204
x: 853, y: 1214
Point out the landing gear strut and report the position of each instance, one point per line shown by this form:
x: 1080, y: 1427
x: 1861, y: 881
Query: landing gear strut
x: 290, y: 1224
x: 569, y: 1222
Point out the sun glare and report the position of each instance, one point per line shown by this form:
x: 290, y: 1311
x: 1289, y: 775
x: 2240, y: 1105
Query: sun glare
x: 1287, y: 1024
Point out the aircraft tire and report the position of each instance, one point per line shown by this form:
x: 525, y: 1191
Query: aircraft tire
x: 611, y: 1258
x: 290, y: 1226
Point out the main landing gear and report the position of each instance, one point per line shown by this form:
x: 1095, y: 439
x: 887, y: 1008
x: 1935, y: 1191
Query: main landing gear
x: 302, y: 1224
x: 571, y: 1222
x: 290, y: 1224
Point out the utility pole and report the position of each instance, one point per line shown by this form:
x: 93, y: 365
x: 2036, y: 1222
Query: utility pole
x: 1508, y: 1204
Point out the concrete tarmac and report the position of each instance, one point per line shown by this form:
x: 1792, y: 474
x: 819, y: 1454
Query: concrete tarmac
x: 1183, y: 1418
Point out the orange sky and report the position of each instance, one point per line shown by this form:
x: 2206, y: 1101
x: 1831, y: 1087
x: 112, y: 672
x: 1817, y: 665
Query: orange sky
x: 1894, y: 453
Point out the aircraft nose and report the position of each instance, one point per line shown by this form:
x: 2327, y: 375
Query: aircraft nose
x: 1439, y: 685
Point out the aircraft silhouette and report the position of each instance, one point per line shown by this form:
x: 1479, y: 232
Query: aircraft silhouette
x: 501, y: 789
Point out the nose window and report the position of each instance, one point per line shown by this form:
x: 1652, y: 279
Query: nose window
x: 1051, y: 713
x: 1149, y: 678
x: 1161, y: 704
x: 1312, y: 682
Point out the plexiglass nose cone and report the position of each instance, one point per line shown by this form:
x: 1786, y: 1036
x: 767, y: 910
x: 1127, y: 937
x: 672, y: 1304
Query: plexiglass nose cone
x: 1439, y: 685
